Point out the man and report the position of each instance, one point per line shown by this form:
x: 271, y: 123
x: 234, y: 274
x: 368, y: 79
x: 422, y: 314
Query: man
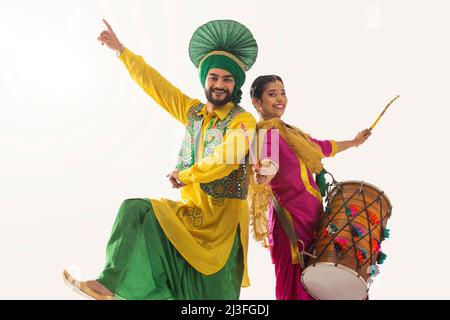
x: 195, y: 248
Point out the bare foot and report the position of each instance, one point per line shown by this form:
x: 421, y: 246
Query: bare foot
x: 99, y: 288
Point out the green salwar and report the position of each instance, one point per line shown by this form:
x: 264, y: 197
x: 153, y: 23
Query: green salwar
x: 141, y: 262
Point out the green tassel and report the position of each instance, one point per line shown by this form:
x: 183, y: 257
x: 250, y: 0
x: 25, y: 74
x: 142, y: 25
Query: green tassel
x: 348, y: 212
x: 381, y: 257
x: 322, y: 183
x: 386, y: 233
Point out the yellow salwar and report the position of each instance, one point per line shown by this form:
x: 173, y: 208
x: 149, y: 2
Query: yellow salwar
x: 202, y: 228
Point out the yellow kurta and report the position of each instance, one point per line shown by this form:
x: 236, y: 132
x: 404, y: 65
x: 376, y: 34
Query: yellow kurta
x: 200, y: 227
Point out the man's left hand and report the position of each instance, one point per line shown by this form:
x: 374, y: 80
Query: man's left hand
x: 173, y: 178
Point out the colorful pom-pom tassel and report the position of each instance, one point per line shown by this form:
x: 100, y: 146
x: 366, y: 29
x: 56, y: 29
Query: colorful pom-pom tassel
x: 381, y: 257
x: 327, y: 210
x: 361, y: 255
x: 354, y: 209
x: 373, y: 270
x: 330, y: 230
x: 373, y: 218
x: 348, y: 212
x: 357, y: 230
x: 386, y: 233
x: 340, y: 244
x: 375, y: 245
x: 322, y: 183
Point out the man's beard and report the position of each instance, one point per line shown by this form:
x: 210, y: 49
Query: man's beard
x: 218, y: 102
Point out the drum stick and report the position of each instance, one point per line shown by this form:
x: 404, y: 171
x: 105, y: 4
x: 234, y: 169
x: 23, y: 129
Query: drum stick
x: 381, y: 114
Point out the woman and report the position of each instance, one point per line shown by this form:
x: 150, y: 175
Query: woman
x: 289, y: 174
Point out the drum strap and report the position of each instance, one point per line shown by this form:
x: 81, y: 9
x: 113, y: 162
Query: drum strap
x: 288, y: 228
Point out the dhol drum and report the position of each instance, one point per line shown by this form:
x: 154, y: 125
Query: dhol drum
x: 347, y: 244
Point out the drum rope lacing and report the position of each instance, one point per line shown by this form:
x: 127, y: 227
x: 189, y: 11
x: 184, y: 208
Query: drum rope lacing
x: 338, y: 188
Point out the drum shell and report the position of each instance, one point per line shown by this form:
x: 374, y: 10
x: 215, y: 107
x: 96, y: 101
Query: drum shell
x: 371, y: 200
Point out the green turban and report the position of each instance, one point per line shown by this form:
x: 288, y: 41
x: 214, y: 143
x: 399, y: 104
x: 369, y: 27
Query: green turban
x: 227, y: 45
x: 225, y: 63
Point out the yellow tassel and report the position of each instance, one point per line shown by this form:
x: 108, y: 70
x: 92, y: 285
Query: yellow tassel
x: 259, y: 198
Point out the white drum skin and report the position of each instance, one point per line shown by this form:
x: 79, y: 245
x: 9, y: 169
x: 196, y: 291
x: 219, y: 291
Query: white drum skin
x: 328, y: 281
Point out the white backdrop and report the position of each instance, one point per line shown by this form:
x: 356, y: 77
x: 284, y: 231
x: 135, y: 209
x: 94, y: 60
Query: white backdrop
x: 78, y: 136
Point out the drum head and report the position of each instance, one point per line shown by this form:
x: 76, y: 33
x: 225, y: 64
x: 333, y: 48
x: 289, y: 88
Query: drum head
x: 325, y: 281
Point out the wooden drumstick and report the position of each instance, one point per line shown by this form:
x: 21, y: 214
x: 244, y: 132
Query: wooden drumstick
x: 381, y: 114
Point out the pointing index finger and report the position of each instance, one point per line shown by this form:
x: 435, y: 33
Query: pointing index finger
x: 107, y: 25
